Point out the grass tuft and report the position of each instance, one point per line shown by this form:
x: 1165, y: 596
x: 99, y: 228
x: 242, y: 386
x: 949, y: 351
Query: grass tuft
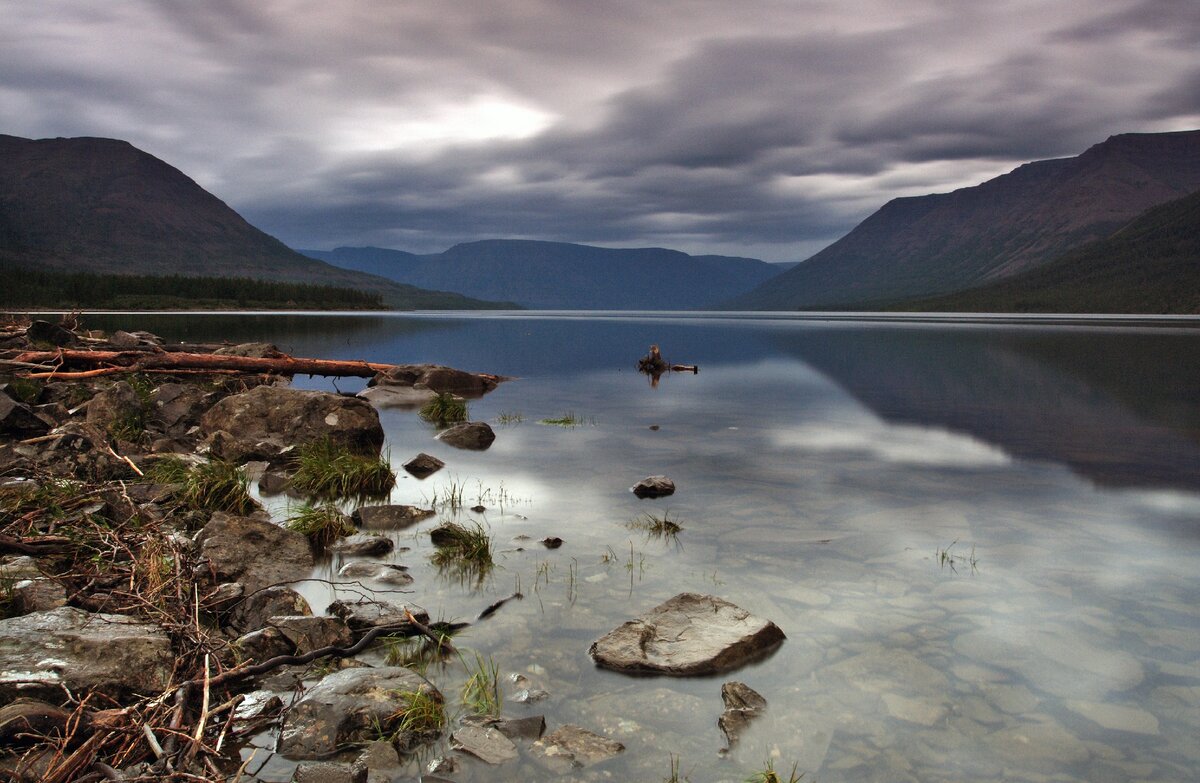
x: 481, y: 692
x: 769, y: 775
x: 323, y: 524
x: 508, y: 418
x: 566, y: 420
x: 420, y: 719
x: 215, y: 485
x: 444, y: 409
x: 657, y: 527
x: 325, y: 469
x: 463, y: 551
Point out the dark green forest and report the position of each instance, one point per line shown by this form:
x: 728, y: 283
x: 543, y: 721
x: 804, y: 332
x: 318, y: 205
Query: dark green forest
x: 25, y: 288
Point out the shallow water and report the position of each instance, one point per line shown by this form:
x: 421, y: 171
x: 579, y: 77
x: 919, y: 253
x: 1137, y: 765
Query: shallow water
x: 822, y: 467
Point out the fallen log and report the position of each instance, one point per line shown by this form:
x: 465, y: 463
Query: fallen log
x: 109, y: 362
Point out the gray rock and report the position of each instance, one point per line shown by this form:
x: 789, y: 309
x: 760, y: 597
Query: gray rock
x: 438, y: 378
x: 742, y: 704
x: 117, y: 404
x: 123, y: 339
x: 571, y: 747
x: 313, y: 633
x: 262, y: 645
x: 18, y: 568
x: 474, y: 435
x: 265, y: 421
x: 485, y: 743
x: 18, y: 419
x: 348, y: 707
x: 273, y: 482
x: 424, y: 465
x: 397, y: 396
x: 530, y: 728
x: 327, y: 772
x: 111, y: 653
x: 529, y: 696
x: 251, y: 350
x: 394, y: 517
x: 686, y: 635
x: 379, y: 754
x: 365, y: 615
x: 388, y: 573
x: 253, y: 613
x: 253, y: 552
x: 363, y: 545
x: 37, y: 595
x: 654, y: 487
x: 178, y: 406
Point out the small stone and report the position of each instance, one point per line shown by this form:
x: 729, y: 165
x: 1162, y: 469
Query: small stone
x: 529, y: 696
x: 327, y: 772
x: 390, y: 517
x: 572, y: 746
x: 37, y: 595
x: 742, y: 704
x: 442, y: 765
x: 363, y: 545
x: 479, y: 509
x: 474, y: 435
x: 380, y: 754
x: 273, y: 482
x: 486, y: 744
x: 551, y: 542
x: 423, y: 465
x: 654, y: 487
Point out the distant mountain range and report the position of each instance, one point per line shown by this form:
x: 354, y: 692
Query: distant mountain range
x: 102, y: 205
x: 560, y: 275
x: 915, y: 248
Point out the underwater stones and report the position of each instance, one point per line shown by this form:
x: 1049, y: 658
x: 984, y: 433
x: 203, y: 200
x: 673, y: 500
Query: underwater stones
x: 687, y: 635
x: 363, y: 545
x: 654, y: 487
x: 397, y: 396
x: 572, y: 746
x: 742, y: 704
x: 388, y: 573
x: 473, y: 435
x: 1116, y: 717
x: 485, y: 743
x: 347, y: 707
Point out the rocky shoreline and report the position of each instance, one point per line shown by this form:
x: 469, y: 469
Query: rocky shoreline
x: 147, y: 625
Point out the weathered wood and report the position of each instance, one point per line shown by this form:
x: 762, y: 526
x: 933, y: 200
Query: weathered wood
x: 107, y: 362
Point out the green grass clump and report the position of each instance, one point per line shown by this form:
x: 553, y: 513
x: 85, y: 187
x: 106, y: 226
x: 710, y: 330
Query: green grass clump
x: 769, y: 775
x: 323, y: 524
x: 325, y: 469
x: 131, y: 426
x: 566, y: 420
x: 481, y: 692
x: 419, y: 720
x: 444, y: 409
x: 462, y: 551
x: 168, y: 470
x: 506, y: 418
x: 217, y: 485
x: 657, y: 527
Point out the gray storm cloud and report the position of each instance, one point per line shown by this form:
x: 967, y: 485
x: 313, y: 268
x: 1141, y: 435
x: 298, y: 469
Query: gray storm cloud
x: 756, y: 128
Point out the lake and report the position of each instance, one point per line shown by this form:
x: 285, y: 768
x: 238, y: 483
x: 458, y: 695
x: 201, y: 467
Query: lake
x: 981, y: 539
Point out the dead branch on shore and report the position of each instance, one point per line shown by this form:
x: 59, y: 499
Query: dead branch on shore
x: 56, y: 364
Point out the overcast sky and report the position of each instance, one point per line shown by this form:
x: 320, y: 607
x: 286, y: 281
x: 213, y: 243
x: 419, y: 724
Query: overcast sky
x: 752, y: 127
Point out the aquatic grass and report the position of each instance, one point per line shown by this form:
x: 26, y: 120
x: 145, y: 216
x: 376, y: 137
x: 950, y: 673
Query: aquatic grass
x: 326, y: 469
x: 947, y: 559
x: 481, y: 691
x: 322, y: 524
x: 507, y: 419
x: 444, y: 409
x: 168, y: 470
x: 448, y: 496
x: 769, y: 775
x: 463, y: 551
x: 569, y: 420
x: 423, y: 714
x: 674, y: 776
x: 217, y: 485
x: 655, y: 526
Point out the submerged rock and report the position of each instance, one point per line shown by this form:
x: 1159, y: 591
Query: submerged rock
x: 267, y: 420
x: 742, y: 704
x: 363, y: 545
x: 348, y: 707
x: 654, y: 487
x: 254, y: 552
x: 117, y: 655
x: 485, y: 743
x: 393, y: 517
x: 572, y: 746
x: 475, y: 435
x: 391, y: 396
x: 388, y: 573
x: 423, y: 465
x: 685, y: 635
x: 438, y: 378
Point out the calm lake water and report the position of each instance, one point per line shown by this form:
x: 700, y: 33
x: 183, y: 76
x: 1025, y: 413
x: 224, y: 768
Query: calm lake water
x: 822, y: 468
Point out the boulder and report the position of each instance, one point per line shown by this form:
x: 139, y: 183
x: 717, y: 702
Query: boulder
x: 37, y: 595
x: 364, y: 615
x: 438, y: 378
x: 265, y: 421
x: 742, y: 704
x: 111, y: 653
x: 254, y: 552
x: 347, y: 707
x: 654, y: 487
x: 116, y: 404
x: 687, y: 635
x: 395, y: 517
x: 363, y: 545
x: 307, y: 633
x: 423, y: 465
x: 327, y: 772
x: 178, y: 406
x: 46, y: 332
x: 261, y: 645
x: 17, y: 419
x: 474, y: 435
x: 253, y: 613
x: 571, y: 747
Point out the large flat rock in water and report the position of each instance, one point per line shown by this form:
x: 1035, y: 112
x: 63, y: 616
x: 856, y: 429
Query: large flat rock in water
x: 117, y: 655
x: 688, y: 634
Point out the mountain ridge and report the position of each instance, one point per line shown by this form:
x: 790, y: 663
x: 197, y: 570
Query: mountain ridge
x: 921, y: 246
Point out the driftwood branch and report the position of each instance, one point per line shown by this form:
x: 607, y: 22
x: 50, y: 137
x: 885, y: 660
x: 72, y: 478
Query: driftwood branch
x: 108, y: 362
